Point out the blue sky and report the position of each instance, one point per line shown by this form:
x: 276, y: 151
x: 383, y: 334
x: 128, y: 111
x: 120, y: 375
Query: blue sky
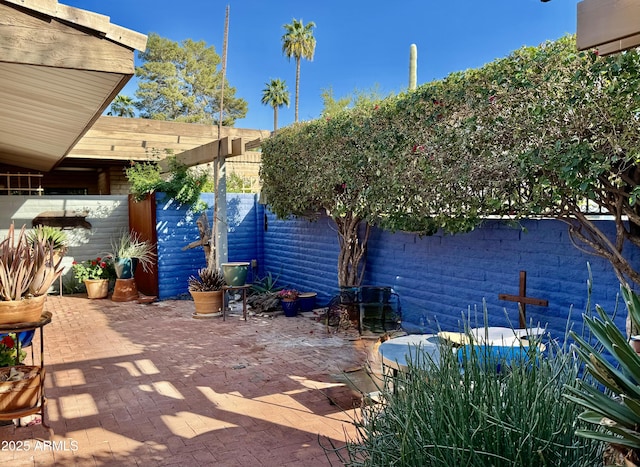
x: 361, y: 45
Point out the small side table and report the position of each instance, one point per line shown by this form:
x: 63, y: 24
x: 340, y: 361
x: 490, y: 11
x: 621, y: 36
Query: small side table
x: 397, y: 353
x: 243, y: 289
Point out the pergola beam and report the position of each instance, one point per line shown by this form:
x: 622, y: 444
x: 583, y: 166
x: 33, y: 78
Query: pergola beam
x: 253, y: 144
x: 224, y: 147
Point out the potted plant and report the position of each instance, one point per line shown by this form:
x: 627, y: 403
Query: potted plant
x: 20, y: 388
x: 95, y: 274
x: 129, y: 250
x: 48, y: 234
x: 235, y: 273
x: 264, y: 294
x: 289, y: 302
x: 9, y: 351
x: 206, y: 291
x: 611, y: 399
x: 26, y: 273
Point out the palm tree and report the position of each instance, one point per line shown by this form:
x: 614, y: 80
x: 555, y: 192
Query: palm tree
x: 276, y: 95
x: 298, y: 42
x: 122, y: 106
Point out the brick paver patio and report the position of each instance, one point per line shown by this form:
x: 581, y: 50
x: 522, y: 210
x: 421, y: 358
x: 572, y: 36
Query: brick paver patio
x: 148, y: 385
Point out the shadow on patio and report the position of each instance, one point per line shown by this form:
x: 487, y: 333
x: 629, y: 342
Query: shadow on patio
x: 132, y: 384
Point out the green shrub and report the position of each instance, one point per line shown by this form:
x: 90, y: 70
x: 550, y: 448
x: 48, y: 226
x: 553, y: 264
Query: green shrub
x: 442, y: 416
x: 181, y: 183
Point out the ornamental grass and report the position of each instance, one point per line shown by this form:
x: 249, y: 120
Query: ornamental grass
x: 466, y: 412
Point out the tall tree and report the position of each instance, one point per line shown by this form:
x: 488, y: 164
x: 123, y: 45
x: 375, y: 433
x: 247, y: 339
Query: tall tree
x: 298, y: 42
x: 122, y: 106
x: 276, y: 95
x: 181, y: 82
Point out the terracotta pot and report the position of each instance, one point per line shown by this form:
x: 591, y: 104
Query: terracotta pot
x: 97, y: 288
x: 125, y: 290
x: 27, y: 310
x: 22, y: 394
x: 207, y: 303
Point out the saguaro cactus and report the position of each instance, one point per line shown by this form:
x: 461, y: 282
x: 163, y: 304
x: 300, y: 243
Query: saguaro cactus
x: 413, y: 66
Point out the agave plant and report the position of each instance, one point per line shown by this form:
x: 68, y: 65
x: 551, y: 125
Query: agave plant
x: 267, y: 284
x: 26, y: 269
x: 48, y: 234
x: 264, y: 293
x: 208, y: 280
x: 615, y: 367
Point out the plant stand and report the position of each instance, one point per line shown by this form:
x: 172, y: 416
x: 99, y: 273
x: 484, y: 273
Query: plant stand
x: 13, y: 406
x: 243, y: 289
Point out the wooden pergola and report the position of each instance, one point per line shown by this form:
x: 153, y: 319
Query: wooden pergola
x: 217, y: 152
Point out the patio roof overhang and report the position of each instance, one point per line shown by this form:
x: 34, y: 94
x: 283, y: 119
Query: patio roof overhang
x: 60, y: 67
x: 609, y: 26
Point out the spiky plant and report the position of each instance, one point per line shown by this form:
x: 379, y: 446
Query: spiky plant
x: 26, y: 269
x: 208, y: 280
x: 613, y: 399
x: 436, y: 415
x: 47, y: 234
x: 131, y: 245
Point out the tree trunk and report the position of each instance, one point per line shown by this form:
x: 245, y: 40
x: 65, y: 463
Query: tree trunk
x: 297, y: 85
x: 351, y: 260
x: 587, y: 237
x: 275, y: 119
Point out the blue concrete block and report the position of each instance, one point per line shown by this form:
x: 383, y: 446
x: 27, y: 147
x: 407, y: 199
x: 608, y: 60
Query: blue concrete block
x: 439, y: 278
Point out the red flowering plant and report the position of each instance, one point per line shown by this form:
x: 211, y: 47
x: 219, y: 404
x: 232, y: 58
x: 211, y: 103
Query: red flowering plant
x: 288, y: 294
x: 91, y: 269
x: 8, y: 351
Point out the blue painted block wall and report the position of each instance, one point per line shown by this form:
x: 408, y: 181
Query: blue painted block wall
x: 302, y: 254
x: 443, y: 278
x: 440, y: 279
x: 176, y: 227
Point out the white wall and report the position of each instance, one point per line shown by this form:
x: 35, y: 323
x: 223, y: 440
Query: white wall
x: 108, y: 216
